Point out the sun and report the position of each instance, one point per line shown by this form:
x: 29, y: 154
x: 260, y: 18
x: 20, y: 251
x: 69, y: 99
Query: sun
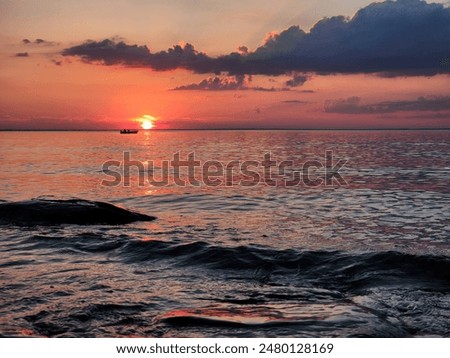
x: 146, y: 121
x: 147, y: 124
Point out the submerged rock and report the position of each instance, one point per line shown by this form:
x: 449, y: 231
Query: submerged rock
x: 72, y: 211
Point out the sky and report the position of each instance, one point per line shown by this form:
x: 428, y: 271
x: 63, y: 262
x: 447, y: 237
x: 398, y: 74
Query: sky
x: 206, y: 64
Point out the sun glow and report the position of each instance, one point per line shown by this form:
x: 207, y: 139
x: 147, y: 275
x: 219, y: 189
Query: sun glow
x: 146, y: 120
x: 147, y: 124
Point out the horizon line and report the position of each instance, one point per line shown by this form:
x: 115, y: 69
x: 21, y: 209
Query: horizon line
x: 226, y: 129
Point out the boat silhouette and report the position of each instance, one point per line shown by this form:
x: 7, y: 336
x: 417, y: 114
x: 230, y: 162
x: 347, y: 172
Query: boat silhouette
x: 129, y: 131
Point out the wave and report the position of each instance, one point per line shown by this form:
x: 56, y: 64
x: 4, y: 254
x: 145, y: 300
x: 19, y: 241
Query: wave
x: 72, y: 211
x: 214, y: 289
x: 335, y: 270
x: 354, y: 270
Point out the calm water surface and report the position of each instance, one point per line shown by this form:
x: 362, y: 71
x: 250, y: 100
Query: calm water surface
x: 369, y: 258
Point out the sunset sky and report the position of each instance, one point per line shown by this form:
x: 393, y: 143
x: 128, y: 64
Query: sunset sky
x: 224, y: 64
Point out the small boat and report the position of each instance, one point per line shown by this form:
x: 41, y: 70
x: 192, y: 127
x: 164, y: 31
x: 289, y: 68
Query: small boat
x: 129, y: 131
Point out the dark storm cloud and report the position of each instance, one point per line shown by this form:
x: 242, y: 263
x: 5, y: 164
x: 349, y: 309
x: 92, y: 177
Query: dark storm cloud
x: 406, y: 37
x: 352, y: 105
x: 22, y: 54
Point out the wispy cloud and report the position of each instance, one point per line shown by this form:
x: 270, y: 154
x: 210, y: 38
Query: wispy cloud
x: 41, y: 42
x: 235, y: 83
x: 295, y: 101
x: 352, y: 105
x: 270, y: 89
x: 217, y: 84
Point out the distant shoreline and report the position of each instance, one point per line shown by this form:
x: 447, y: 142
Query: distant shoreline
x: 230, y: 129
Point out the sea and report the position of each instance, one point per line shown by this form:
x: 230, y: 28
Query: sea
x: 244, y: 233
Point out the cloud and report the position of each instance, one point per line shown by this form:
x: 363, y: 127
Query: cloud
x: 297, y: 80
x: 429, y: 115
x: 22, y: 54
x: 216, y: 84
x: 236, y: 83
x: 407, y: 37
x: 271, y: 89
x: 352, y: 105
x: 349, y: 105
x: 295, y: 101
x: 110, y: 52
x: 401, y: 38
x: 39, y: 42
x: 243, y: 50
